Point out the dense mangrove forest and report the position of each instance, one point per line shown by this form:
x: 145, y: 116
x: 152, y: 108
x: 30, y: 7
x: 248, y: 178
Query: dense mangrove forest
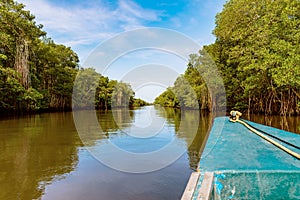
x: 70, y: 132
x: 38, y: 74
x: 257, y: 53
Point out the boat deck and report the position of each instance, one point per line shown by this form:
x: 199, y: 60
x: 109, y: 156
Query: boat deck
x: 245, y: 166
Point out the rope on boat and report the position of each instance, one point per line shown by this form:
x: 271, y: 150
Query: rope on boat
x: 273, y: 136
x: 234, y: 117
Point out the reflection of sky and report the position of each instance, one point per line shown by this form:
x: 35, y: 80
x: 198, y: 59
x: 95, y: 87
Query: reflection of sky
x: 135, y: 148
x: 147, y: 133
x: 143, y: 118
x: 144, y: 145
x: 93, y: 180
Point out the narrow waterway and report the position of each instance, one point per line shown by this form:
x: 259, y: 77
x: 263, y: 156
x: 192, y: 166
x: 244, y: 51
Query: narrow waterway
x: 43, y: 157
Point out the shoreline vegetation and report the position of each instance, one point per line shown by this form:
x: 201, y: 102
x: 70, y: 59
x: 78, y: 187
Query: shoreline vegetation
x: 256, y: 52
x: 37, y: 75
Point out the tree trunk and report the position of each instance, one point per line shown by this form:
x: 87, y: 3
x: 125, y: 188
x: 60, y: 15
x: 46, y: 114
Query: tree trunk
x: 106, y: 107
x: 249, y: 105
x: 21, y: 61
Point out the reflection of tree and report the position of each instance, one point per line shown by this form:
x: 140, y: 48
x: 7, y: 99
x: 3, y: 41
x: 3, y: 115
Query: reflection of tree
x: 110, y: 120
x: 34, y: 151
x: 282, y: 122
x: 171, y: 114
x: 195, y: 149
x: 185, y: 121
x: 95, y: 126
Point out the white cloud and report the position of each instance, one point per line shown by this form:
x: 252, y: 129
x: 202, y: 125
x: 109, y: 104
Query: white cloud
x: 85, y: 24
x: 78, y: 25
x: 129, y: 8
x: 58, y: 19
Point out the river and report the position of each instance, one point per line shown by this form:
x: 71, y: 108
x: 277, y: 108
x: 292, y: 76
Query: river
x: 42, y: 156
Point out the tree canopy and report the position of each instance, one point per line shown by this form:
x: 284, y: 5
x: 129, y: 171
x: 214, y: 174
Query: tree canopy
x: 36, y: 73
x: 257, y: 52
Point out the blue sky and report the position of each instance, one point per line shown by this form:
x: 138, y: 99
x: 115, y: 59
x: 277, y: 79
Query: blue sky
x: 83, y: 25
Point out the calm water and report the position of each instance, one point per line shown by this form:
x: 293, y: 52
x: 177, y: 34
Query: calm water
x: 43, y: 157
x: 291, y: 124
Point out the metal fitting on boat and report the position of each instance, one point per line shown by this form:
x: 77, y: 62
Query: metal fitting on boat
x: 234, y: 115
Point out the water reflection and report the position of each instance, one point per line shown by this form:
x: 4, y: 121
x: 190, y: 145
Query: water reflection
x: 291, y: 124
x: 202, y: 121
x: 41, y: 156
x: 92, y: 180
x: 197, y: 146
x: 34, y: 151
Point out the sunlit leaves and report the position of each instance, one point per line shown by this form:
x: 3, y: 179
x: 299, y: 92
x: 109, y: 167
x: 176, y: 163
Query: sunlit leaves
x: 50, y: 68
x: 257, y: 47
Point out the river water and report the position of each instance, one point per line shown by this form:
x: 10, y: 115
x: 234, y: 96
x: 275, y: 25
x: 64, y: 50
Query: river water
x: 42, y: 156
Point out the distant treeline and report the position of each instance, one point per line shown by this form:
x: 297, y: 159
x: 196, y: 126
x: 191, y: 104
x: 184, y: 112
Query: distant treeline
x: 257, y: 52
x: 36, y: 73
x: 92, y: 89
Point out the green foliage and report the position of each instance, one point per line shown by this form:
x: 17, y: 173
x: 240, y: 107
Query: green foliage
x: 122, y: 95
x: 139, y: 102
x: 85, y: 88
x: 11, y: 91
x: 257, y: 50
x: 191, y: 90
x: 16, y: 24
x: 33, y: 99
x: 184, y: 92
x: 35, y: 72
x: 91, y: 90
x: 3, y: 57
x: 13, y: 95
x: 167, y: 99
